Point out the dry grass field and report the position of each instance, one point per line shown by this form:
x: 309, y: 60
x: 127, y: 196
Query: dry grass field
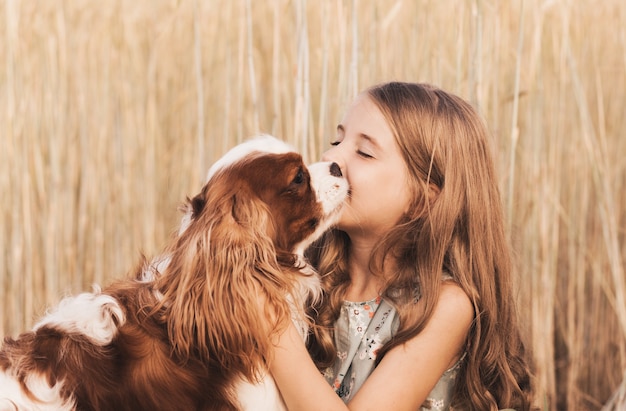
x: 111, y: 111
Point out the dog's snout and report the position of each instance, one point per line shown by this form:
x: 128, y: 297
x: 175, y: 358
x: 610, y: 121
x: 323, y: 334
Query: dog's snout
x: 335, y: 171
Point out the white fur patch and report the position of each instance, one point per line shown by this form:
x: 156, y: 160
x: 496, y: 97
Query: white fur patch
x: 96, y: 316
x: 331, y: 193
x: 46, y: 398
x: 157, y: 266
x: 185, y: 222
x: 263, y: 396
x: 263, y: 143
x: 151, y: 271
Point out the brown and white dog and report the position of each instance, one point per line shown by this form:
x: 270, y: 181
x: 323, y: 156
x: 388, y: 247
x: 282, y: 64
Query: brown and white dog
x: 192, y: 330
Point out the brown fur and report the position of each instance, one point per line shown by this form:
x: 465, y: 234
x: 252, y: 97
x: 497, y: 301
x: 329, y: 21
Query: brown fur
x: 228, y: 272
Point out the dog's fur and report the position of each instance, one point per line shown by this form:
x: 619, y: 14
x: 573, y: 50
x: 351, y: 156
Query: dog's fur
x: 192, y: 330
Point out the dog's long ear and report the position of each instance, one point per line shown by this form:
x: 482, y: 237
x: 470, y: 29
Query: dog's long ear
x: 219, y: 287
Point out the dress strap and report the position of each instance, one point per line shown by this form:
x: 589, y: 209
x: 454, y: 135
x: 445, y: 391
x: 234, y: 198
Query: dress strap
x: 360, y: 359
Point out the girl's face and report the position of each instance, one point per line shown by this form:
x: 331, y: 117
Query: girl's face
x: 370, y: 159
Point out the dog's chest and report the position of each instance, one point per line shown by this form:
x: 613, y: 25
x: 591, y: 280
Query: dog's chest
x: 263, y: 396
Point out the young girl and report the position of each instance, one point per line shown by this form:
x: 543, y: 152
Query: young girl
x: 419, y: 309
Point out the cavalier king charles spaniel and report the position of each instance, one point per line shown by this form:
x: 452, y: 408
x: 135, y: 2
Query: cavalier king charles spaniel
x: 191, y: 329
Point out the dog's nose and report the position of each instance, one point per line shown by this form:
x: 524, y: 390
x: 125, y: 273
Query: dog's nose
x: 335, y: 171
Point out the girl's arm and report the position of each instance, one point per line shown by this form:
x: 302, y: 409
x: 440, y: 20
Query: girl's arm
x: 401, y: 381
x: 409, y: 372
x: 301, y: 384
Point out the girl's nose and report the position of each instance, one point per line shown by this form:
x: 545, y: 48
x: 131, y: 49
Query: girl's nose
x: 330, y: 155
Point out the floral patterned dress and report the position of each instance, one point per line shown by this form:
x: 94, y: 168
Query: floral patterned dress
x: 360, y: 331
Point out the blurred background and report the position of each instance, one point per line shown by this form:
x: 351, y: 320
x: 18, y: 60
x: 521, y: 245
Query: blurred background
x: 111, y: 112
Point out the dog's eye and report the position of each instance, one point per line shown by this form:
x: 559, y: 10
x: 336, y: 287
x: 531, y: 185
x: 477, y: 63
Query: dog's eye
x: 299, y: 178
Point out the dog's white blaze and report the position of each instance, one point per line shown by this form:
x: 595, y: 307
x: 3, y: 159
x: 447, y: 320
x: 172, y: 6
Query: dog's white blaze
x: 263, y: 143
x: 46, y: 398
x: 96, y: 316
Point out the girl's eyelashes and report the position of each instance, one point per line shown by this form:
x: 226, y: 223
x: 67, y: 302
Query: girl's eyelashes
x: 359, y: 152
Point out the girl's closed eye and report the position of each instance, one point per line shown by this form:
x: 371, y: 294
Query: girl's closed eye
x: 361, y: 152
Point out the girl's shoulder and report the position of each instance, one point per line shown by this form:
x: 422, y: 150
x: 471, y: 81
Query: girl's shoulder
x: 453, y: 297
x: 450, y: 289
x: 452, y: 302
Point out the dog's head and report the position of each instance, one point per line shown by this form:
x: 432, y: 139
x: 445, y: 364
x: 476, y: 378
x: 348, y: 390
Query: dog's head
x: 264, y: 184
x: 239, y: 249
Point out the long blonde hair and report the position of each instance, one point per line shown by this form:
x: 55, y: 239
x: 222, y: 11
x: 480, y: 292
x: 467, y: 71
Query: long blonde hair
x: 459, y: 231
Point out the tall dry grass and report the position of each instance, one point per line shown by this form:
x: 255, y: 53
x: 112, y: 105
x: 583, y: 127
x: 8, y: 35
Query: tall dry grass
x: 111, y: 112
